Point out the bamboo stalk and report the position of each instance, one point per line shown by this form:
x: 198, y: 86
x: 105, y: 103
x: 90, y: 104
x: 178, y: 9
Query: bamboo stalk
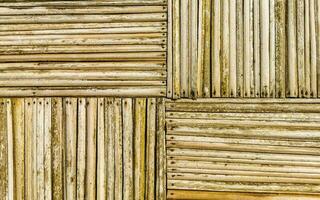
x: 102, y: 143
x: 216, y: 85
x: 318, y: 45
x: 246, y: 47
x: 150, y: 149
x: 28, y: 120
x: 11, y: 180
x: 233, y: 48
x: 110, y: 149
x: 58, y: 149
x: 118, y: 149
x: 81, y: 148
x: 240, y: 47
x: 201, y: 47
x: 34, y: 147
x: 4, y: 182
x: 147, y: 17
x: 170, y: 51
x: 47, y: 149
x: 265, y: 46
x: 300, y: 47
x: 161, y: 152
x: 18, y: 147
x: 71, y: 147
x: 272, y: 45
x: 280, y: 51
x: 251, y: 58
x: 91, y: 148
x: 307, y: 49
x: 139, y: 148
x: 257, y: 48
x: 207, y: 44
x: 313, y: 49
x: 225, y: 57
x: 176, y: 49
x: 84, y: 10
x: 40, y: 148
x: 128, y: 189
x: 184, y: 48
x: 292, y: 54
x: 194, y: 49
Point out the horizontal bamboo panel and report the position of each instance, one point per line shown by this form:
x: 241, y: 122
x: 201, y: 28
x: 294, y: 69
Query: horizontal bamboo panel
x: 83, y: 48
x: 82, y: 148
x: 243, y: 145
x: 243, y: 48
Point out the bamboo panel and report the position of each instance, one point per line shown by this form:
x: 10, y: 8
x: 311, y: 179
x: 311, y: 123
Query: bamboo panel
x: 82, y: 148
x: 245, y: 48
x: 114, y: 47
x: 241, y: 145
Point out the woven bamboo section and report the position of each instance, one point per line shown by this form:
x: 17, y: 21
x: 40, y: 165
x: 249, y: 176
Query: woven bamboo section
x: 81, y: 148
x: 243, y: 48
x: 269, y: 146
x: 83, y: 48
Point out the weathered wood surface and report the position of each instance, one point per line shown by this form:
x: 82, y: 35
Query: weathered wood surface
x: 242, y: 145
x: 84, y: 48
x: 82, y: 148
x: 243, y: 48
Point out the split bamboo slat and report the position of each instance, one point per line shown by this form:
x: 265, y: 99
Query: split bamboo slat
x: 243, y: 48
x: 82, y: 148
x: 241, y: 145
x: 83, y: 48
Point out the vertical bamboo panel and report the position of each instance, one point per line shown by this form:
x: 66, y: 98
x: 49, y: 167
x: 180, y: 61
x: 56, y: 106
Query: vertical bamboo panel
x: 225, y: 49
x: 207, y: 53
x: 313, y: 49
x: 40, y: 148
x: 257, y: 48
x: 47, y: 149
x: 176, y: 48
x: 265, y: 54
x: 118, y: 150
x: 233, y: 49
x: 185, y: 5
x: 28, y: 149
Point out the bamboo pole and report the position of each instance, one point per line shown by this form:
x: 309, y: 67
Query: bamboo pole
x: 207, y: 44
x: 139, y: 148
x: 292, y: 53
x: 233, y: 48
x: 58, y: 149
x: 4, y: 182
x: 265, y: 46
x: 307, y: 49
x: 240, y: 47
x: 225, y: 57
x: 301, y: 47
x: 257, y: 48
x: 71, y: 147
x: 280, y: 51
x: 128, y: 189
x: 47, y: 149
x: 246, y: 47
x: 194, y: 49
x: 118, y: 149
x: 272, y: 45
x: 28, y: 148
x: 91, y: 148
x: 176, y: 49
x: 81, y: 148
x: 110, y: 148
x: 216, y: 85
x: 18, y: 147
x: 184, y: 48
x: 40, y: 148
x: 34, y: 147
x: 313, y: 49
x: 151, y: 148
x: 170, y: 50
x: 102, y: 153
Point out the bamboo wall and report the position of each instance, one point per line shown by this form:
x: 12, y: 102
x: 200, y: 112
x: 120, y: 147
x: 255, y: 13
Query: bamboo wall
x: 160, y: 99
